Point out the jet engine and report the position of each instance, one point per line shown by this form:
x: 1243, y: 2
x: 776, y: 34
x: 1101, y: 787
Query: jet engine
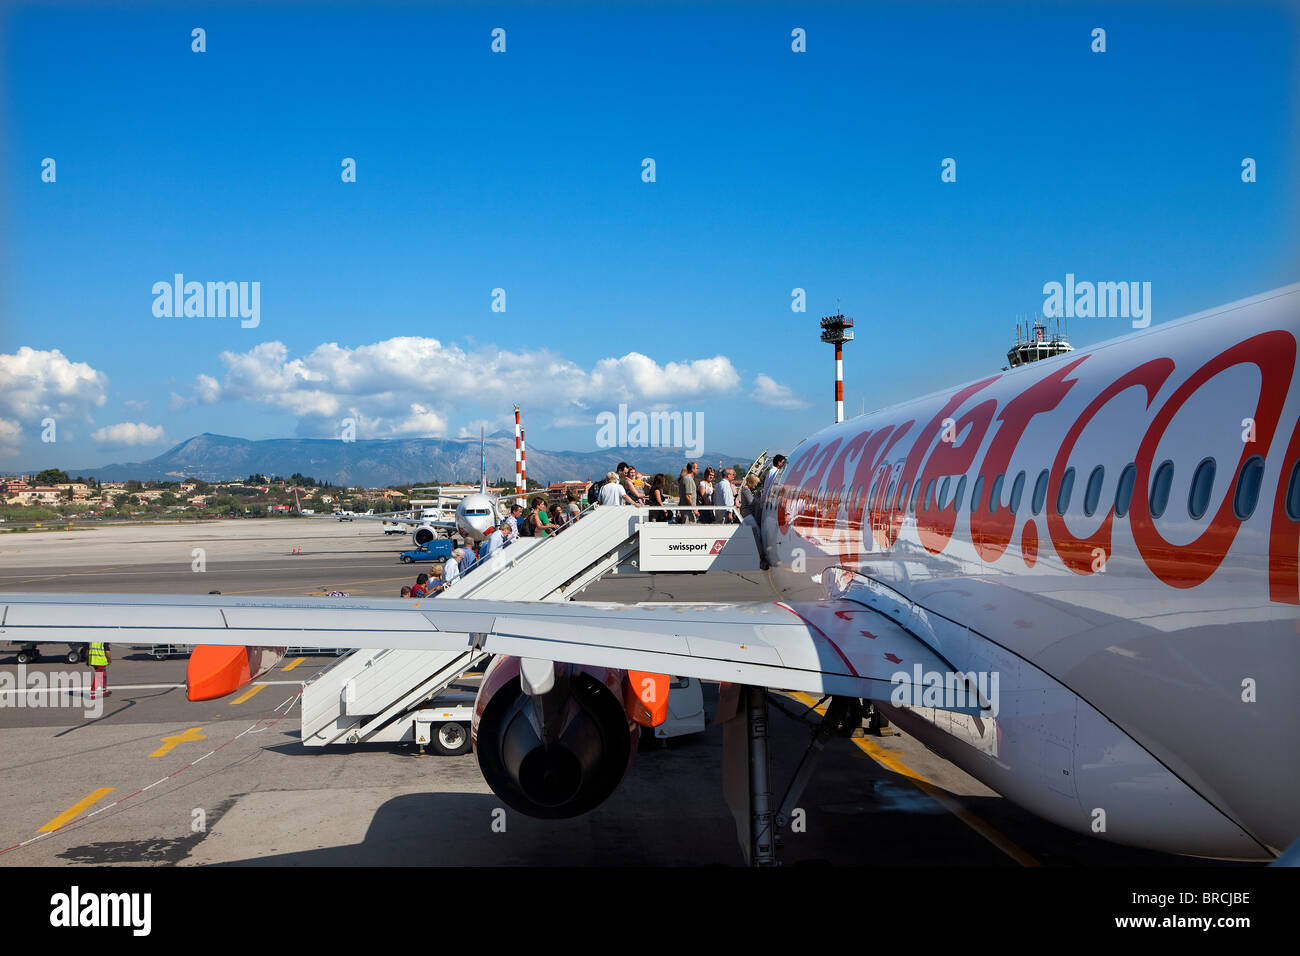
x: 423, y: 534
x: 560, y: 749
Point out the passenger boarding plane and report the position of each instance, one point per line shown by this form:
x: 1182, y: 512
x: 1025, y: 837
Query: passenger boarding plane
x: 1103, y: 543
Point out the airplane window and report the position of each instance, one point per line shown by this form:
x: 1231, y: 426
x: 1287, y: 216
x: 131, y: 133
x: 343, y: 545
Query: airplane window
x: 995, y: 494
x: 1160, y: 488
x: 961, y: 490
x: 976, y: 494
x: 1198, y: 499
x: 1067, y: 489
x: 1293, y: 494
x: 889, y: 492
x: 943, y: 494
x: 1017, y: 490
x: 1040, y: 492
x: 1124, y: 491
x: 929, y: 496
x: 916, y: 493
x: 1247, y: 496
x: 1092, y: 493
x: 902, y: 496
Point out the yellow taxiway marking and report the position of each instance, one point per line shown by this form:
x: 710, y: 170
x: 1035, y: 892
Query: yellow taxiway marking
x: 256, y: 688
x: 936, y: 793
x: 169, y: 743
x: 75, y: 810
x: 294, y: 663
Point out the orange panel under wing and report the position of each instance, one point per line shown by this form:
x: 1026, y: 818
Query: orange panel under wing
x: 217, y: 670
x: 646, y: 698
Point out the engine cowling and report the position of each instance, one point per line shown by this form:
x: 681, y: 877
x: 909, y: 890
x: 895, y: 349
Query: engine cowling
x: 559, y: 754
x: 423, y: 534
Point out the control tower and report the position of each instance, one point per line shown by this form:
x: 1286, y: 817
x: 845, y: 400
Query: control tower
x: 1034, y: 343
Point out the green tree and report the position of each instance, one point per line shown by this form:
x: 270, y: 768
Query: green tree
x: 51, y: 476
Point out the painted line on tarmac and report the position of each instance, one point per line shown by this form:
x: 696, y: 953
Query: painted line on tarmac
x: 252, y: 691
x: 83, y: 804
x: 119, y: 687
x: 932, y: 790
x: 287, y: 703
x: 294, y: 663
x: 151, y: 570
x: 70, y: 574
x: 170, y: 742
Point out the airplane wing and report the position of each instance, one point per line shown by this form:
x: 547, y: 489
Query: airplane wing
x: 394, y: 519
x: 825, y: 647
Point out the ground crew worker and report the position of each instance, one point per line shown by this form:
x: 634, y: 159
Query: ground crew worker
x: 100, y: 656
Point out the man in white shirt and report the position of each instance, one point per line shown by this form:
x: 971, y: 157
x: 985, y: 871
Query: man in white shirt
x: 612, y: 493
x: 725, y: 495
x: 512, y: 523
x: 451, y: 570
x: 778, y: 462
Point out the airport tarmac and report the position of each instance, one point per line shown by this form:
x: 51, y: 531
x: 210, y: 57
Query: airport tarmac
x: 155, y: 779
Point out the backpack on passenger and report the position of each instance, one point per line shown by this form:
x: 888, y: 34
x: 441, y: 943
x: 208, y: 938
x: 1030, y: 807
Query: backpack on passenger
x: 526, y: 526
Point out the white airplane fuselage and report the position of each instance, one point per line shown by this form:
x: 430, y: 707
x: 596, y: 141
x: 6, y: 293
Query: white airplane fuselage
x: 1146, y: 664
x: 476, y: 515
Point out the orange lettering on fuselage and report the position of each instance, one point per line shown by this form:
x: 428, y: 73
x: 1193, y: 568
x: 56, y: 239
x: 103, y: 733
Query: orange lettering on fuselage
x: 991, y: 529
x: 1077, y: 553
x: 951, y: 459
x: 892, y: 517
x: 821, y: 475
x: 1185, y: 566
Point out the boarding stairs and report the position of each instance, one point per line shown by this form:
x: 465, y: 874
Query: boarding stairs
x: 374, y: 695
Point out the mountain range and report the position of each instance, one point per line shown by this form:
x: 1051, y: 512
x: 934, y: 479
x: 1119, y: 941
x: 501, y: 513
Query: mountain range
x: 377, y: 463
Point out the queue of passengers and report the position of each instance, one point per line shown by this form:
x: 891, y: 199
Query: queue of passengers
x: 699, y: 494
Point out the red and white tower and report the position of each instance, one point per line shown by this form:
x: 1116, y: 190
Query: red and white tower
x: 523, y: 461
x: 519, y: 454
x: 838, y: 329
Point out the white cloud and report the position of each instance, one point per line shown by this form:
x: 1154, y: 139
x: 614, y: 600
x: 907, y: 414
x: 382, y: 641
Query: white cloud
x: 128, y: 433
x: 638, y: 377
x: 206, y: 391
x: 768, y: 391
x: 35, y: 384
x: 10, y: 434
x: 410, y: 385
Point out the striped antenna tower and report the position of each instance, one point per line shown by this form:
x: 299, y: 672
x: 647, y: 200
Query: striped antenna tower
x: 519, y: 455
x: 838, y: 329
x: 523, y: 461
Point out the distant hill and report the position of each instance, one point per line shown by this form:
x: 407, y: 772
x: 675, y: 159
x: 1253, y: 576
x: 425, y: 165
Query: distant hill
x: 380, y: 462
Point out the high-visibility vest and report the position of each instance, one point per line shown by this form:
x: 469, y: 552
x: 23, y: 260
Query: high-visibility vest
x: 98, y: 656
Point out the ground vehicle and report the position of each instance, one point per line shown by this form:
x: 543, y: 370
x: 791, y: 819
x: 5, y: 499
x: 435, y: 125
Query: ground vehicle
x: 437, y: 550
x: 29, y: 652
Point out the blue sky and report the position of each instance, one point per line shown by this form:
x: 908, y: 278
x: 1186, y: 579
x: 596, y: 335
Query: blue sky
x: 522, y: 171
